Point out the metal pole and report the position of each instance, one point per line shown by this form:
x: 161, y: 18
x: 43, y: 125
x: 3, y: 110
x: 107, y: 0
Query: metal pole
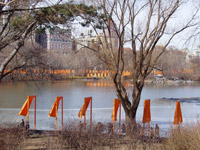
x: 56, y: 114
x: 28, y: 110
x: 91, y: 115
x: 149, y: 129
x: 143, y: 129
x: 113, y: 126
x: 62, y: 115
x: 85, y: 115
x: 119, y: 117
x: 35, y: 115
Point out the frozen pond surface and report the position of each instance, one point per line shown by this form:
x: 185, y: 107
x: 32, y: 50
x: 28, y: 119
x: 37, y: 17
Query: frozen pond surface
x: 13, y: 96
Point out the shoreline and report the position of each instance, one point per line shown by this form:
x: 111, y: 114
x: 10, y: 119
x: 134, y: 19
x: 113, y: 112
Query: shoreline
x: 147, y: 81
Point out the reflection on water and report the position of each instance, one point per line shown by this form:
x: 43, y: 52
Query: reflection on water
x: 13, y: 95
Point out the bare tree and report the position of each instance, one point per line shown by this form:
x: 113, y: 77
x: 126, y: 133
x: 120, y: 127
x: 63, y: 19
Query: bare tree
x: 17, y: 23
x: 142, y: 25
x: 29, y: 57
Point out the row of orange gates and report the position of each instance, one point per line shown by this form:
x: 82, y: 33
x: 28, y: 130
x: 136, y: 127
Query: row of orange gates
x: 88, y: 100
x: 68, y: 72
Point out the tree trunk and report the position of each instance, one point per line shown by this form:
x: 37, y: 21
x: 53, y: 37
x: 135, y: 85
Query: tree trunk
x: 136, y: 95
x: 131, y: 125
x: 130, y: 108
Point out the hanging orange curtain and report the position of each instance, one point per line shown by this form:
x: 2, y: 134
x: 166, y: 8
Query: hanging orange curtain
x: 84, y: 107
x: 115, y: 109
x: 178, y: 115
x: 25, y: 107
x: 54, y: 108
x: 147, y: 112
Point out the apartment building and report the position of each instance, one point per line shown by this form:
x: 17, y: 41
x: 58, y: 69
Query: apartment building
x: 55, y: 39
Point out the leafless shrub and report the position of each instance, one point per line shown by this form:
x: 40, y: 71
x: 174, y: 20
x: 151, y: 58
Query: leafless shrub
x: 11, y: 137
x: 75, y: 136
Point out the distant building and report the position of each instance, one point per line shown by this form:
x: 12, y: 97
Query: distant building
x: 109, y: 39
x: 90, y: 40
x: 55, y: 39
x: 190, y: 54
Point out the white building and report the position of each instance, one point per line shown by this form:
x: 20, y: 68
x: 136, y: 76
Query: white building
x: 89, y: 40
x: 195, y: 53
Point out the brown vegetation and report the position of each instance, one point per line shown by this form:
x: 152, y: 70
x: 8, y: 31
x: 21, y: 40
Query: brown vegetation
x: 75, y: 137
x: 184, y: 138
x: 11, y: 138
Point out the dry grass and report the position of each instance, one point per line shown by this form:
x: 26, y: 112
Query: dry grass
x: 11, y: 138
x: 76, y: 137
x: 184, y: 138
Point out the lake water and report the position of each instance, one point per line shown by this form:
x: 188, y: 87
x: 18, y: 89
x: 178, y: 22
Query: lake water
x: 13, y: 95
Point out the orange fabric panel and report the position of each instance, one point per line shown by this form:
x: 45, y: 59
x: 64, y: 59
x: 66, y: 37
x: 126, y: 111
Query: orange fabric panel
x: 115, y: 109
x: 54, y: 109
x: 25, y: 107
x: 147, y: 112
x: 84, y: 107
x: 159, y: 72
x: 178, y: 115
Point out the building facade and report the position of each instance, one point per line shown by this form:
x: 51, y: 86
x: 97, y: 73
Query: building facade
x: 90, y: 41
x: 55, y: 39
x: 191, y: 54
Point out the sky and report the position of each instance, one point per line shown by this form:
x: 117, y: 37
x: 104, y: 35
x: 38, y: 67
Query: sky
x: 182, y: 16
